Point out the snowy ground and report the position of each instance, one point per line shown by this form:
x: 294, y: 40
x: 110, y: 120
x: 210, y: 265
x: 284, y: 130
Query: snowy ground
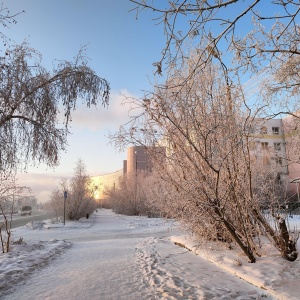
x: 111, y: 257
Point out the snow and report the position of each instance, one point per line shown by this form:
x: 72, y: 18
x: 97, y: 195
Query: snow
x: 110, y: 256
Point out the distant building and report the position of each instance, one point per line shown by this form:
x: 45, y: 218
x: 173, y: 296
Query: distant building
x: 276, y: 142
x: 268, y: 143
x: 138, y: 158
x: 292, y: 142
x: 107, y: 181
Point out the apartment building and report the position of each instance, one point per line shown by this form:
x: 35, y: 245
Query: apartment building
x: 138, y: 158
x: 106, y: 181
x: 276, y: 142
x: 268, y: 143
x: 292, y: 142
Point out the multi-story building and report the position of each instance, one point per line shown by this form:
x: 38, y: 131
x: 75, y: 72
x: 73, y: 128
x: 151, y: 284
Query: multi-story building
x: 103, y: 182
x: 271, y: 141
x: 267, y: 141
x: 138, y: 158
x: 292, y: 142
x: 276, y: 142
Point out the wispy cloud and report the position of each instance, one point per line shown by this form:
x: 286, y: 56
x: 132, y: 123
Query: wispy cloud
x: 41, y: 185
x: 100, y: 118
x: 87, y: 142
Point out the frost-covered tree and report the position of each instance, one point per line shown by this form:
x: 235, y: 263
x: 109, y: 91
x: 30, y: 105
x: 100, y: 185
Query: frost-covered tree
x: 80, y: 200
x: 130, y: 197
x: 10, y: 194
x: 205, y: 123
x: 252, y: 36
x: 56, y: 204
x: 36, y: 105
x: 7, y: 18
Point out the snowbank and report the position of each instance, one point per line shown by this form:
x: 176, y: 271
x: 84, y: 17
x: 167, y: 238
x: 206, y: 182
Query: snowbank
x: 24, y: 259
x: 272, y: 273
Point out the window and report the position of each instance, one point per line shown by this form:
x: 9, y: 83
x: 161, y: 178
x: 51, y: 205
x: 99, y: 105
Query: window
x: 250, y: 129
x: 263, y: 130
x: 265, y: 145
x: 278, y: 161
x: 275, y: 130
x: 277, y: 146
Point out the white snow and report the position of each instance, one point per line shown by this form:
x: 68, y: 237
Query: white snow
x: 111, y: 256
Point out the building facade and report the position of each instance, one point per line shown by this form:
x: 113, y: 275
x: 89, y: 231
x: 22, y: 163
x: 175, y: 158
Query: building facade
x: 292, y: 141
x: 276, y: 142
x: 137, y: 159
x: 103, y: 182
x: 268, y: 143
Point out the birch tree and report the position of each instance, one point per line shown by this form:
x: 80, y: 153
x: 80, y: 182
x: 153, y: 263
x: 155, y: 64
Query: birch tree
x: 36, y: 105
x: 10, y: 194
x: 80, y: 200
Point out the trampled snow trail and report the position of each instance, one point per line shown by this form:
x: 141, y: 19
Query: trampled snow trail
x: 125, y: 258
x: 175, y: 273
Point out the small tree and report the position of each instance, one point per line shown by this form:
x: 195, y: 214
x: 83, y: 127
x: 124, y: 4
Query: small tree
x: 80, y: 200
x: 10, y: 194
x: 122, y: 199
x: 130, y: 197
x: 56, y: 205
x: 80, y: 193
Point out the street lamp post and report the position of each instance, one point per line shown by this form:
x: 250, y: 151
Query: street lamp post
x: 65, y: 198
x: 135, y: 187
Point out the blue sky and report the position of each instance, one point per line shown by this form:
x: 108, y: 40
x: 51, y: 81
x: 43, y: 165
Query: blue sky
x: 120, y: 48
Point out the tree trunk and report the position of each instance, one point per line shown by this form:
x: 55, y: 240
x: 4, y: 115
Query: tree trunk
x: 246, y: 248
x: 288, y: 246
x: 283, y: 243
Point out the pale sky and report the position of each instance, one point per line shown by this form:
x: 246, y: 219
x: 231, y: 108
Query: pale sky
x: 120, y: 48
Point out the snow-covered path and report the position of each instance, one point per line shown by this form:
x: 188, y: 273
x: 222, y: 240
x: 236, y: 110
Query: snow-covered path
x: 89, y: 270
x: 116, y: 257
